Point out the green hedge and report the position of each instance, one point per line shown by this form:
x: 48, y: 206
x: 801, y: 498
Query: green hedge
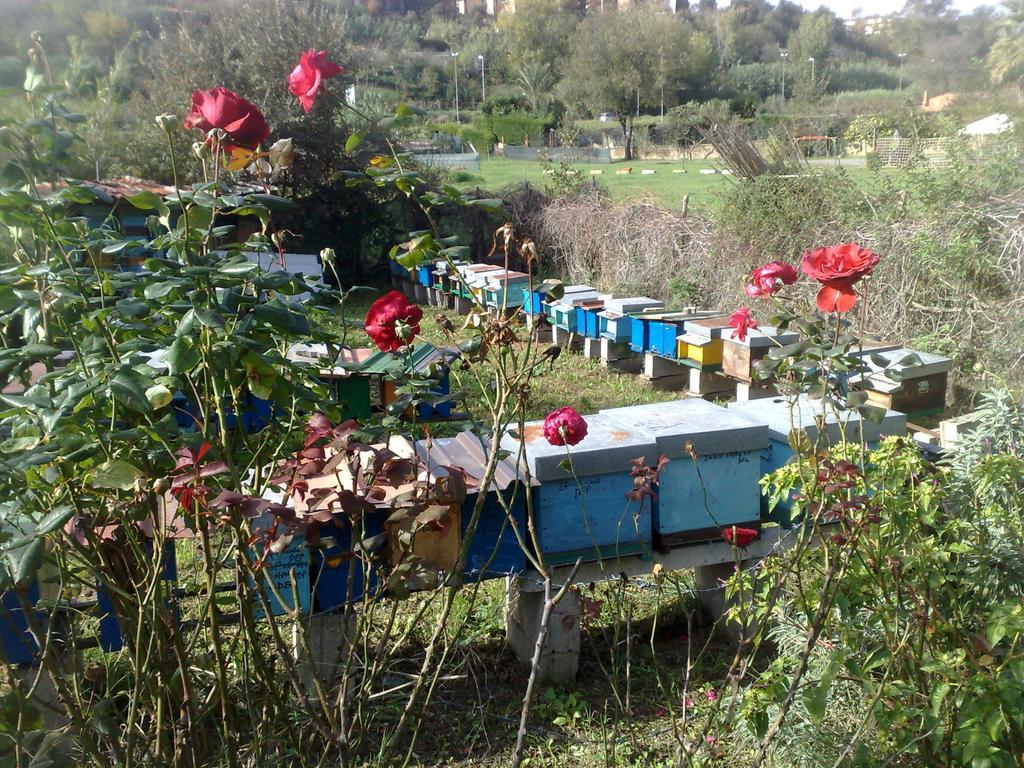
x: 486, y: 130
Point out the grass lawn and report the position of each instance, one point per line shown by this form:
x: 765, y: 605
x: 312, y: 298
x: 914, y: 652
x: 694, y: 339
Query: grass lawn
x: 666, y: 188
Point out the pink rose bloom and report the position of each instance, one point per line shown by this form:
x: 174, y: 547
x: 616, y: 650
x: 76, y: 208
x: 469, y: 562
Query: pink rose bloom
x: 766, y: 280
x: 564, y: 427
x: 742, y: 320
x: 307, y: 79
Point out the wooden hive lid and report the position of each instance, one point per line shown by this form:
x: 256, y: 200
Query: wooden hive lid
x: 783, y: 414
x: 708, y: 428
x: 709, y: 327
x: 766, y: 336
x: 608, y: 449
x: 910, y: 364
x: 629, y: 305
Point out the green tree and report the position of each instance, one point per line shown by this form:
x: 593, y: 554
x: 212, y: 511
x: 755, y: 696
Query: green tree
x: 813, y: 38
x: 539, y: 31
x: 536, y: 82
x: 620, y: 59
x: 1005, y: 60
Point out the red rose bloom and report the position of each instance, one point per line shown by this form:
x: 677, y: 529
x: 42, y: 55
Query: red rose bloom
x: 741, y: 537
x: 838, y: 268
x: 384, y: 317
x: 742, y: 320
x: 564, y: 427
x: 766, y: 280
x: 239, y: 119
x: 307, y: 79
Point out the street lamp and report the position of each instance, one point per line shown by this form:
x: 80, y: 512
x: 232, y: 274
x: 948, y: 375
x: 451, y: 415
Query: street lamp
x: 455, y: 66
x: 483, y: 78
x: 811, y: 59
x: 902, y: 56
x: 783, y: 55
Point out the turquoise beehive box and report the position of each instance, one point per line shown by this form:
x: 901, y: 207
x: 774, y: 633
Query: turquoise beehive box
x: 781, y: 415
x: 615, y: 323
x: 571, y: 295
x: 585, y: 514
x: 716, y: 486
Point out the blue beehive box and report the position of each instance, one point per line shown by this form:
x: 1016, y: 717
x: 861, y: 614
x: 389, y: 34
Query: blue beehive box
x: 286, y: 573
x: 587, y: 320
x: 424, y: 274
x: 564, y: 311
x: 331, y: 565
x: 657, y: 331
x: 110, y: 636
x: 783, y: 414
x: 536, y: 295
x: 18, y: 645
x: 588, y: 515
x: 697, y: 497
x: 495, y: 549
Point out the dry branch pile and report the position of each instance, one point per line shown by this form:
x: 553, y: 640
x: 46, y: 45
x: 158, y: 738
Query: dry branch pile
x: 633, y: 248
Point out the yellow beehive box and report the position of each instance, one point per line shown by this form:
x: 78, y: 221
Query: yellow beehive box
x: 706, y: 352
x: 682, y: 347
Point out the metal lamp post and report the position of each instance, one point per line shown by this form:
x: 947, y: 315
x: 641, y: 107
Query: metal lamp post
x: 455, y: 67
x: 784, y: 55
x: 902, y: 56
x: 483, y: 78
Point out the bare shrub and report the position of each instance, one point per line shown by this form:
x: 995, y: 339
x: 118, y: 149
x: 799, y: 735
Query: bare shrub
x: 950, y: 280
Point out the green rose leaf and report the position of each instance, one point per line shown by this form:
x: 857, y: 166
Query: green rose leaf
x: 182, y: 356
x: 25, y: 560
x: 55, y: 519
x: 115, y: 474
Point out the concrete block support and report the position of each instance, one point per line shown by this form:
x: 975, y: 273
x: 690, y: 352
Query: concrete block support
x: 420, y: 292
x: 541, y: 333
x: 711, y: 593
x: 591, y: 348
x: 656, y: 367
x: 564, y: 338
x: 754, y: 391
x: 463, y: 306
x: 613, y: 351
x: 560, y: 656
x: 676, y: 383
x: 630, y: 365
x: 328, y: 639
x: 708, y: 382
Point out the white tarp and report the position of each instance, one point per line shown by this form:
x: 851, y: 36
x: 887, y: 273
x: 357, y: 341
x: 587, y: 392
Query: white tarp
x: 989, y: 126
